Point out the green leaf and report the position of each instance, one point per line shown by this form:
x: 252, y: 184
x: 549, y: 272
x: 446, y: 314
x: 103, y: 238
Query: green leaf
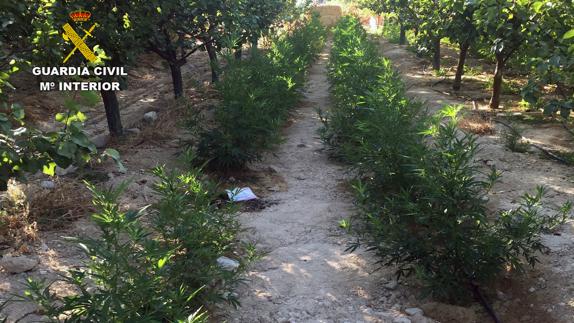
x: 49, y: 169
x: 115, y: 155
x: 568, y: 34
x: 67, y: 149
x: 82, y: 140
x: 162, y: 262
x: 537, y: 5
x: 61, y: 117
x: 18, y: 112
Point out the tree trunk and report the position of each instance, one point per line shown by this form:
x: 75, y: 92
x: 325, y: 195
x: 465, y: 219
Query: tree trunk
x: 112, y: 112
x: 436, y: 54
x: 176, y: 79
x: 213, y: 62
x: 460, y: 68
x: 255, y: 43
x: 497, y: 83
x: 238, y: 53
x: 403, y: 35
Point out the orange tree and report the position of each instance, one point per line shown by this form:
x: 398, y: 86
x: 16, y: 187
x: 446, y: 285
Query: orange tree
x: 506, y: 26
x: 406, y: 16
x: 428, y: 17
x: 225, y: 23
x: 461, y: 29
x: 552, y: 58
x: 171, y: 30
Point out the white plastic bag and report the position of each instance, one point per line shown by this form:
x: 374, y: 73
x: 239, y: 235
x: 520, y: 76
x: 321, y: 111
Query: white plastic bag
x: 241, y: 194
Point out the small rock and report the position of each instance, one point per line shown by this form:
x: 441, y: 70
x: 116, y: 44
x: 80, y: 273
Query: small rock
x: 414, y: 311
x: 150, y: 116
x: 101, y: 141
x: 227, y: 263
x: 401, y: 320
x: 392, y: 298
x: 133, y: 131
x: 502, y: 296
x: 44, y: 247
x: 63, y: 172
x: 532, y: 289
x: 391, y: 285
x: 20, y: 264
x: 22, y: 312
x: 49, y: 185
x: 273, y: 169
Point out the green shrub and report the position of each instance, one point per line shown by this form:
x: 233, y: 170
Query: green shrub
x: 165, y: 273
x: 256, y: 96
x: 392, y: 29
x: 190, y: 221
x: 418, y: 188
x: 254, y: 104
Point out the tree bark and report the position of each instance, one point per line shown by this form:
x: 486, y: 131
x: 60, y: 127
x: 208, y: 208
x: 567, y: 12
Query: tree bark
x: 436, y: 54
x: 213, y: 62
x: 497, y: 83
x: 460, y: 68
x: 112, y: 108
x: 255, y: 43
x: 177, y: 79
x: 403, y: 35
x: 238, y: 53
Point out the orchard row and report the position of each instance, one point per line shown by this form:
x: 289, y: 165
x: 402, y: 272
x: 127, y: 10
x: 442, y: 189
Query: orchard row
x: 534, y: 37
x: 31, y: 36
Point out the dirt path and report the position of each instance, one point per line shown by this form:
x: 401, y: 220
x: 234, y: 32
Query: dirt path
x: 306, y: 275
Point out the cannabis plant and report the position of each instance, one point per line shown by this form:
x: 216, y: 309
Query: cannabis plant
x: 125, y: 278
x: 164, y: 273
x: 419, y: 189
x: 256, y: 96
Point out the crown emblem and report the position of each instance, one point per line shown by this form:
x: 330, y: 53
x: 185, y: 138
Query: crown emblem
x: 80, y: 15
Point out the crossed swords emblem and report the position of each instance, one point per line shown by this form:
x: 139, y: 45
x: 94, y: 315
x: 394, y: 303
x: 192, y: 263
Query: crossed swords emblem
x: 72, y: 35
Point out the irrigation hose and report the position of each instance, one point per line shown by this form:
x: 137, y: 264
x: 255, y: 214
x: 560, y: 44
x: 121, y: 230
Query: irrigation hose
x: 484, y: 303
x: 545, y: 151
